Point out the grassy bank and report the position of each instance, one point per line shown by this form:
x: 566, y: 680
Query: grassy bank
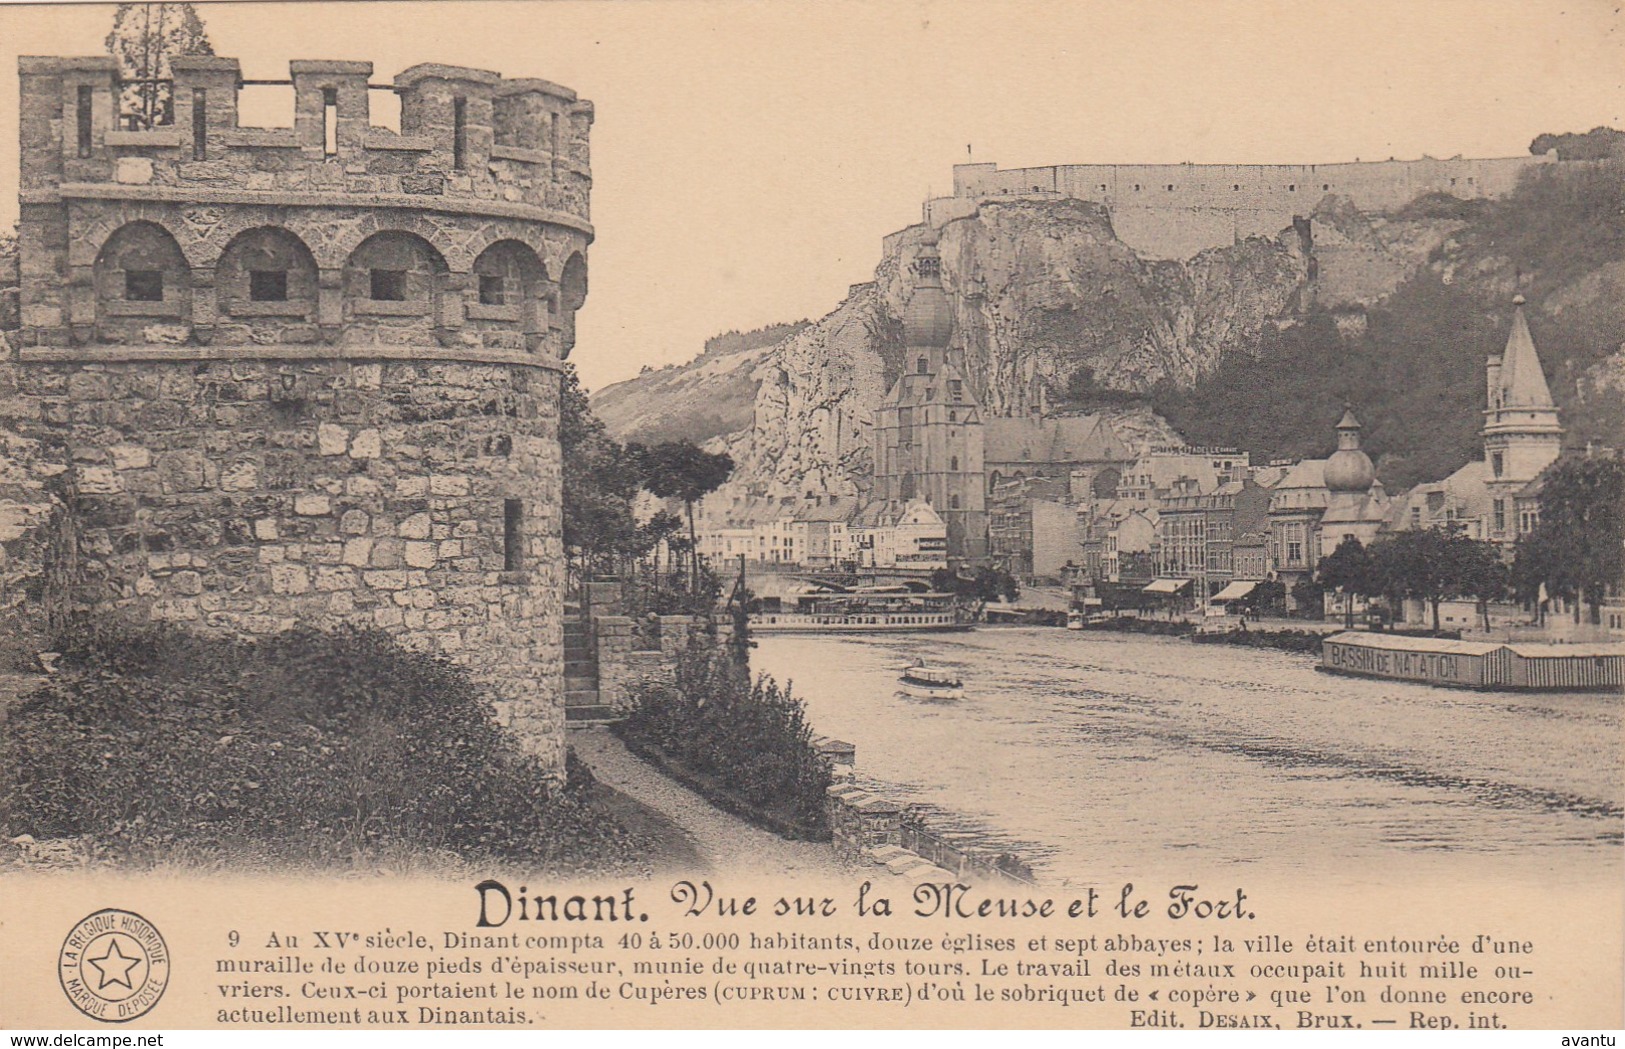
x: 303, y: 749
x: 744, y: 746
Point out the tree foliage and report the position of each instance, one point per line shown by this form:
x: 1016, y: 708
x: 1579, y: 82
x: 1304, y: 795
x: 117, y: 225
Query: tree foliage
x: 684, y: 471
x: 602, y: 535
x: 753, y: 740
x: 1308, y: 599
x: 1578, y: 549
x: 1418, y: 365
x: 143, y: 39
x: 1267, y: 598
x: 736, y: 341
x: 600, y: 479
x: 1435, y: 565
x: 1599, y: 143
x: 1348, y: 570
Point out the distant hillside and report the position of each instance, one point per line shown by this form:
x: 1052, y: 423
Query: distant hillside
x: 1256, y: 343
x: 708, y: 397
x: 1414, y: 368
x: 756, y: 338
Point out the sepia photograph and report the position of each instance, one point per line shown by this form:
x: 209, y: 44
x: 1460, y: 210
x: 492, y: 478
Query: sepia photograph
x: 700, y: 513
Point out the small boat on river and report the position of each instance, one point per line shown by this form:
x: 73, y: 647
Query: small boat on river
x: 932, y: 682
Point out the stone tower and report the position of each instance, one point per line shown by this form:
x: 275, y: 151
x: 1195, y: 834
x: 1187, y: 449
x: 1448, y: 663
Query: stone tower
x: 1521, y: 433
x: 928, y: 430
x: 310, y: 375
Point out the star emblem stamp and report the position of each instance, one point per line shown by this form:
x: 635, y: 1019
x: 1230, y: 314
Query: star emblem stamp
x: 114, y: 966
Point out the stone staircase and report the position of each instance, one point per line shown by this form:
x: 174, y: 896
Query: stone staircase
x: 582, y: 704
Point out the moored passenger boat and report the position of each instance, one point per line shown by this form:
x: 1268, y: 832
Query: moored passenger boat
x: 865, y: 612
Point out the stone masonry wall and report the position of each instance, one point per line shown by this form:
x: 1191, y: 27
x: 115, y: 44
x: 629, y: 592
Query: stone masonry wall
x: 306, y: 376
x: 251, y: 496
x: 628, y: 660
x: 36, y: 539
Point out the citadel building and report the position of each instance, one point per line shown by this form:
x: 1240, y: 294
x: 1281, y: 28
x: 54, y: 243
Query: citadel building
x: 308, y: 375
x: 1176, y: 210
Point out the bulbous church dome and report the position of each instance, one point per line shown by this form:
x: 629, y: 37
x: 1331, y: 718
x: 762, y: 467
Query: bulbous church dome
x: 1349, y: 469
x: 928, y: 319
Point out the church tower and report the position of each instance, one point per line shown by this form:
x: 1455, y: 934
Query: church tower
x: 1521, y: 433
x: 928, y: 430
x: 1356, y: 502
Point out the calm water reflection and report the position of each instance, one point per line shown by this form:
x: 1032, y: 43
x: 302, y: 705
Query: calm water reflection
x: 1098, y: 755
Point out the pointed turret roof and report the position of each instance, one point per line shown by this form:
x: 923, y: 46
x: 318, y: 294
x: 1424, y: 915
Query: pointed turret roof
x: 1522, y: 383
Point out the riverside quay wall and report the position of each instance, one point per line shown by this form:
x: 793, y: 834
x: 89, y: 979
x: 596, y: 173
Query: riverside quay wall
x: 308, y: 375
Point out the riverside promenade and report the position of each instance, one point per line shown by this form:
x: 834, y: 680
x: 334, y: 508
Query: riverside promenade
x: 722, y: 843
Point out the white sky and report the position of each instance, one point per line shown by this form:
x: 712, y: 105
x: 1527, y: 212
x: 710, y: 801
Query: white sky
x: 749, y: 156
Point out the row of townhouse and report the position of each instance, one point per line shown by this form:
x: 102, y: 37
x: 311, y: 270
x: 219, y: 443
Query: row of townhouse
x: 833, y: 532
x: 1204, y: 535
x: 1046, y: 527
x: 1277, y: 522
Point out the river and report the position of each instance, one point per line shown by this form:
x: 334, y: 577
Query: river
x: 1093, y: 755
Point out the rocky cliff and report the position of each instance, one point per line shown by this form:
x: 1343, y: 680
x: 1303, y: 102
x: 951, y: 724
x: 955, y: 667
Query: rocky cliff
x: 1044, y: 288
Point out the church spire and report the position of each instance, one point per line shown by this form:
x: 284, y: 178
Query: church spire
x: 1522, y: 434
x: 1522, y: 383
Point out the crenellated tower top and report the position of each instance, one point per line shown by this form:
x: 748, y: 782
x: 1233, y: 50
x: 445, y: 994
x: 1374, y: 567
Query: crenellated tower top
x: 464, y: 231
x: 464, y: 132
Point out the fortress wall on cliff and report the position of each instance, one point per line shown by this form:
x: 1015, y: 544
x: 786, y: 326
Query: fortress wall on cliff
x: 1177, y: 210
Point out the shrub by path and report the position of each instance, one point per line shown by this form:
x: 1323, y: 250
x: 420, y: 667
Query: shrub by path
x: 725, y: 843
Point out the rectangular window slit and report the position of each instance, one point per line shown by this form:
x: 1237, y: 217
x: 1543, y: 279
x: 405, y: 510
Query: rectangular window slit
x: 86, y: 97
x: 330, y: 121
x: 554, y: 139
x: 144, y: 285
x: 493, y: 290
x: 513, y: 535
x: 200, y: 124
x: 268, y: 285
x: 388, y: 285
x: 459, y: 133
